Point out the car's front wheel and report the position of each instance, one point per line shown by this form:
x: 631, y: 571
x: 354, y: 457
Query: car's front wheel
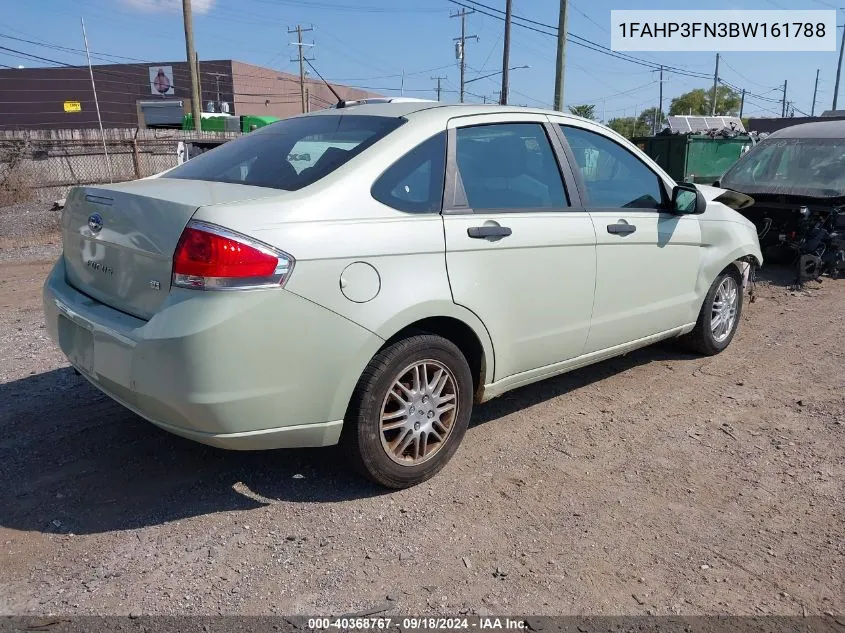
x: 410, y: 411
x: 719, y: 317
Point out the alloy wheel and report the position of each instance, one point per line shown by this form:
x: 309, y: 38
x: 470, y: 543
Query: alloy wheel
x: 723, y: 313
x: 419, y: 412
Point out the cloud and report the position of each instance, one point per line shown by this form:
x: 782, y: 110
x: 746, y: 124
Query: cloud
x: 169, y: 6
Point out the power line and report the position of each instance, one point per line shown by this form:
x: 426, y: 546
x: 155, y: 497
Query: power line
x: 601, y: 26
x: 799, y: 111
x: 619, y: 94
x: 416, y: 72
x: 749, y: 93
x: 111, y: 57
x: 603, y: 98
x: 348, y: 51
x: 759, y: 107
x: 128, y: 80
x: 67, y: 48
x: 352, y: 8
x: 573, y: 38
x: 744, y: 77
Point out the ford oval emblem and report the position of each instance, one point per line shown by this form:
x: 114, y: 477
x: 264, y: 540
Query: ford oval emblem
x: 95, y: 222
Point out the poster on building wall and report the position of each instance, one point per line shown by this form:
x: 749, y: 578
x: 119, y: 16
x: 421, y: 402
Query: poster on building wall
x: 161, y: 80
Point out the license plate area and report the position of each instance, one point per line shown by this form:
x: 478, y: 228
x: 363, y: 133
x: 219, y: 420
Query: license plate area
x: 77, y: 343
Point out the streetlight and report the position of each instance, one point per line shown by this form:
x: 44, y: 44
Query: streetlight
x: 498, y: 72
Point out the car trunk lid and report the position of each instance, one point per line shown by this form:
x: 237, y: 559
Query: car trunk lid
x: 119, y: 240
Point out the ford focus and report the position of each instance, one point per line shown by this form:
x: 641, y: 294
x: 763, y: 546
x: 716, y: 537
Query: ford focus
x: 366, y: 275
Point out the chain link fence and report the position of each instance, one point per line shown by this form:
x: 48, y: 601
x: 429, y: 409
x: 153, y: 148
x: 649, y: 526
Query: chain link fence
x: 42, y: 165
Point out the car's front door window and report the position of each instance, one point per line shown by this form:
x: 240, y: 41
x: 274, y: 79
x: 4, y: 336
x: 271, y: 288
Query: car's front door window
x: 509, y: 166
x: 613, y: 176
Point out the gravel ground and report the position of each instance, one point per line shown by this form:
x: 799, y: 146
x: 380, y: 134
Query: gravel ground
x: 656, y: 483
x: 29, y: 231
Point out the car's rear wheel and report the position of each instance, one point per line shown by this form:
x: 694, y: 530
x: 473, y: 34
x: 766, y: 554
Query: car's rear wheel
x: 719, y: 317
x: 409, y: 412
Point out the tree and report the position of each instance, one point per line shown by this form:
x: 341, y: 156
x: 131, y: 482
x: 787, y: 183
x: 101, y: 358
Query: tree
x: 588, y: 111
x: 692, y: 102
x: 727, y: 101
x: 700, y: 102
x: 648, y: 118
x: 629, y: 127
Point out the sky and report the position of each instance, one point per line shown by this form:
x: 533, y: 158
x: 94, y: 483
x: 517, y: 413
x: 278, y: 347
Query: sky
x: 371, y: 43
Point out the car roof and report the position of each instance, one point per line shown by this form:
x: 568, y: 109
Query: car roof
x: 447, y: 110
x: 818, y: 129
x: 393, y: 109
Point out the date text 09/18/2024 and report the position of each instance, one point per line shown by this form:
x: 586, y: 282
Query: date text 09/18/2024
x: 415, y: 623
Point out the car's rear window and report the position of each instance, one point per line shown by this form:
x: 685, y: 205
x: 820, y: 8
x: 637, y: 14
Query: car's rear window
x: 290, y: 154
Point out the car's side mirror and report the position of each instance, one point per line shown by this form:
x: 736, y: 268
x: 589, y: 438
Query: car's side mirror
x: 688, y: 200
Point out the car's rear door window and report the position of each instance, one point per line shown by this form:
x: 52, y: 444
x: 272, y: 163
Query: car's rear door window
x: 509, y: 166
x: 290, y: 154
x: 612, y: 175
x: 414, y: 183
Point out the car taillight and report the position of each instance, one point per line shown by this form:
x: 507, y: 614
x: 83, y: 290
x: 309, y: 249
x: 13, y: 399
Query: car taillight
x: 209, y: 257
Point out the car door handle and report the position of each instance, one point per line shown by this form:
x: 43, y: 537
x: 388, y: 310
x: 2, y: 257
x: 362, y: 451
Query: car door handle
x: 621, y: 229
x: 482, y: 232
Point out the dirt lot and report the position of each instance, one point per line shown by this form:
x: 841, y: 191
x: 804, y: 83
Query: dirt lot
x: 655, y: 483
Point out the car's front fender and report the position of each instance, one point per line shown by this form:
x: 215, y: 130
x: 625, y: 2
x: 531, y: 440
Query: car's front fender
x: 723, y: 242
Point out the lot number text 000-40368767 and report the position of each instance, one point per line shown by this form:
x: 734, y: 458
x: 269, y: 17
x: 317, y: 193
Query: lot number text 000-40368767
x: 415, y: 623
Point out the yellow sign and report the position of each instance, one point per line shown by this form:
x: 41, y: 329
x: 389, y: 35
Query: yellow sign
x: 73, y: 106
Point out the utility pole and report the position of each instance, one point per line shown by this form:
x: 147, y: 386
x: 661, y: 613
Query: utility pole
x: 783, y: 105
x: 460, y: 47
x: 715, y: 85
x: 815, y: 93
x: 96, y: 101
x: 196, y: 106
x: 402, y: 85
x: 199, y: 76
x: 742, y: 103
x: 217, y: 77
x: 560, y: 70
x: 438, y: 79
x: 658, y: 117
x: 506, y: 52
x: 838, y: 70
x: 301, y: 58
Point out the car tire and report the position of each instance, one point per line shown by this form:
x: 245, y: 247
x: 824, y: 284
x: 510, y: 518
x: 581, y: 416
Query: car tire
x: 720, y: 314
x: 398, y: 432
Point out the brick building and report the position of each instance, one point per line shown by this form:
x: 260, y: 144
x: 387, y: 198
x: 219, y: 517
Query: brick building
x: 133, y: 95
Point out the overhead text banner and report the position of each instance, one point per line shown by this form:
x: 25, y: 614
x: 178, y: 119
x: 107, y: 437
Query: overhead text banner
x: 716, y: 31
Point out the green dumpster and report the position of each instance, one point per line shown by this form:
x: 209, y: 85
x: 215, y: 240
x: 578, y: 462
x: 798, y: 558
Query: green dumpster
x: 250, y: 122
x: 694, y: 158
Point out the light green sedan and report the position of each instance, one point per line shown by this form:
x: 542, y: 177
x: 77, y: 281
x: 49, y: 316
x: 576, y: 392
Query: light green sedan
x: 364, y: 275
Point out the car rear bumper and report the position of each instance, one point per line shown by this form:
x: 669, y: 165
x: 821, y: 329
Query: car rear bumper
x: 238, y: 370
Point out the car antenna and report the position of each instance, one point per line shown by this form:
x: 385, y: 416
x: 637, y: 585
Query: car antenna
x: 340, y: 102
